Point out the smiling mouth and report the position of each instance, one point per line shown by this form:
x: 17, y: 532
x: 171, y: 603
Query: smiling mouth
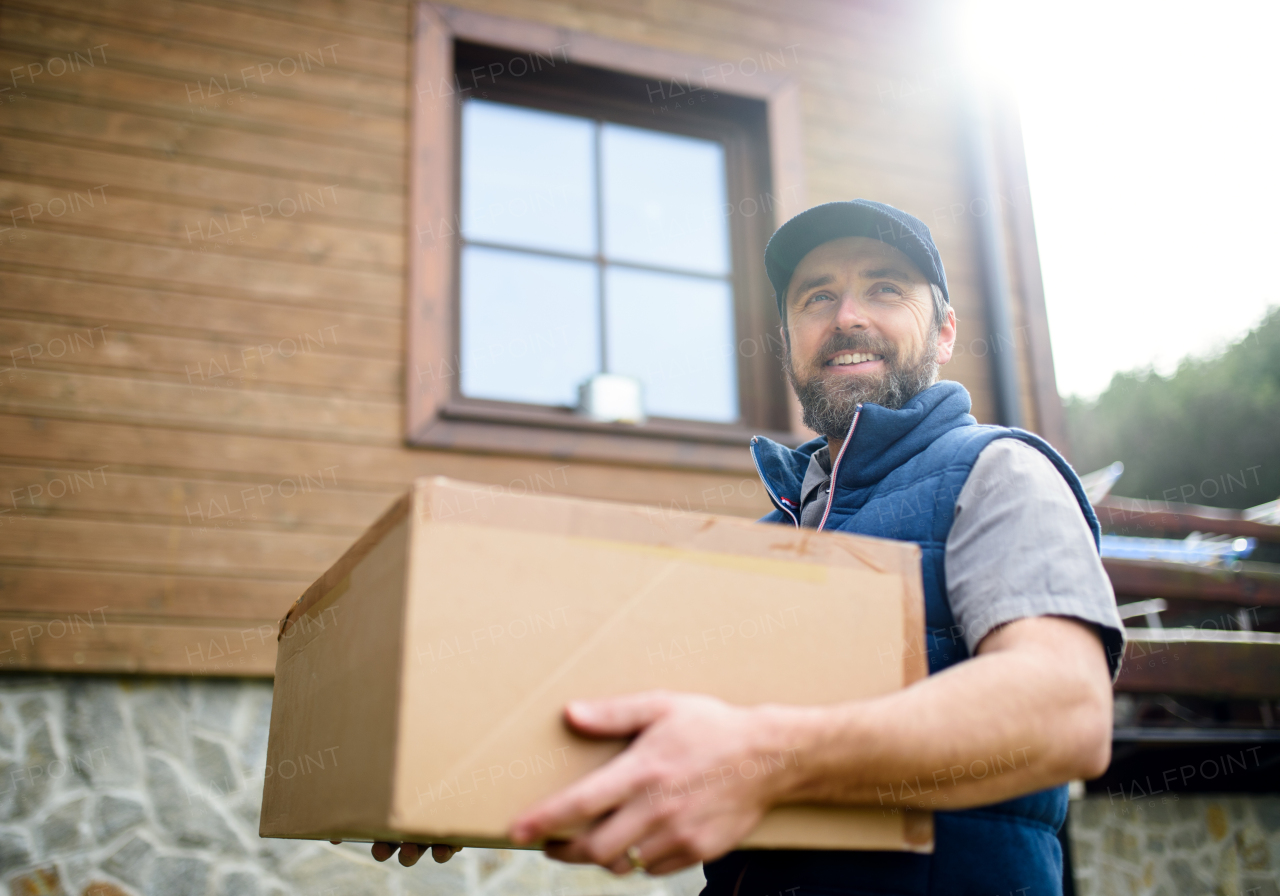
x: 849, y: 359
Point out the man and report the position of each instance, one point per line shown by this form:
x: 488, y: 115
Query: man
x: 1022, y: 630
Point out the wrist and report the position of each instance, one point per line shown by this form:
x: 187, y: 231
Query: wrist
x: 782, y: 752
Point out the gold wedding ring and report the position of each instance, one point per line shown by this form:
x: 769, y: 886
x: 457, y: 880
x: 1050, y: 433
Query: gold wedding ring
x: 633, y: 856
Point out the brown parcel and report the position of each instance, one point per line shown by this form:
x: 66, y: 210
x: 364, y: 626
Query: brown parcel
x: 420, y: 683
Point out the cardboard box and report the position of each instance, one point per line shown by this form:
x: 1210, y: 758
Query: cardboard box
x: 420, y: 682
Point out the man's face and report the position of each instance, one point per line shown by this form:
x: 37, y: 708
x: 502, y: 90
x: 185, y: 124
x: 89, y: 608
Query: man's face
x: 860, y: 318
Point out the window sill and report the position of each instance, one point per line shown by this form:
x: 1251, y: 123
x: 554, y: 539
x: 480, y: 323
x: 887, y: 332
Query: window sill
x: 502, y: 428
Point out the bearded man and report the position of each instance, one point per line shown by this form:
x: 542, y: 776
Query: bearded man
x: 1022, y: 630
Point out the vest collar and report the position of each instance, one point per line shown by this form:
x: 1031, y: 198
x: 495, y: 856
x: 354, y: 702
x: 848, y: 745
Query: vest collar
x: 882, y: 441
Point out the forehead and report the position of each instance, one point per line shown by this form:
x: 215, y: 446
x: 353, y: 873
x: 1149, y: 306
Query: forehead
x: 849, y: 257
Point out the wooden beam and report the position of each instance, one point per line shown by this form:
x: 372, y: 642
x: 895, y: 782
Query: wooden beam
x: 97, y: 642
x: 370, y: 54
x: 432, y: 165
x: 1178, y: 520
x: 1012, y: 159
x: 1244, y: 665
x: 1157, y: 578
x: 150, y: 596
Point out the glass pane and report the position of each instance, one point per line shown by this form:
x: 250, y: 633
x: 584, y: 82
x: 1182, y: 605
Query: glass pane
x: 676, y: 335
x: 528, y: 178
x: 664, y: 200
x: 530, y: 326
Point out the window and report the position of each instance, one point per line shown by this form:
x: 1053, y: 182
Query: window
x: 599, y: 225
x: 590, y: 247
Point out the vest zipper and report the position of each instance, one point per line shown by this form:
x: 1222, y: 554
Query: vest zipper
x: 835, y: 466
x: 772, y: 494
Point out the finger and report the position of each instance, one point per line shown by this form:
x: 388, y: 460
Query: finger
x: 617, y: 716
x: 671, y: 865
x: 442, y: 853
x: 663, y: 852
x: 383, y: 851
x: 573, y: 850
x: 606, y: 844
x: 581, y: 802
x: 566, y: 851
x: 410, y: 853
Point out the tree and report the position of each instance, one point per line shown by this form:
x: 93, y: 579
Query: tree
x: 1207, y: 434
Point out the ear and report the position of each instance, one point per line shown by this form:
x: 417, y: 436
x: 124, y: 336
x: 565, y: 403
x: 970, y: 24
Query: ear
x: 947, y: 336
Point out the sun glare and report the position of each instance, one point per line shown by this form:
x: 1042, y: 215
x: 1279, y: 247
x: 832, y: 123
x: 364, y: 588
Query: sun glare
x: 1150, y: 131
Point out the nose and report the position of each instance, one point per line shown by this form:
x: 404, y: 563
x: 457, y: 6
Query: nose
x: 850, y: 315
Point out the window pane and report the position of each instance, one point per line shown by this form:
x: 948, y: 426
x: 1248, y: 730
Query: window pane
x: 675, y: 334
x: 528, y: 178
x: 530, y: 326
x: 664, y: 200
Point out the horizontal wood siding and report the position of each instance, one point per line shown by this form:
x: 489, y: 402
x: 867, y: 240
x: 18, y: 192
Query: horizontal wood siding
x: 202, y: 328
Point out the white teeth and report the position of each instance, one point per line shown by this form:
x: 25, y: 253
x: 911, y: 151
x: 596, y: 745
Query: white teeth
x: 854, y: 358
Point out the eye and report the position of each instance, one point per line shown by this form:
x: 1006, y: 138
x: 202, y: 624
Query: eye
x: 819, y: 296
x: 888, y: 287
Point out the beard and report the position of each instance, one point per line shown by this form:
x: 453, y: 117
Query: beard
x: 829, y: 402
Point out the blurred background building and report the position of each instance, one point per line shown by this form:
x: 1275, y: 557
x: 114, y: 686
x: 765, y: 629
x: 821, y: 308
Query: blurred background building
x: 263, y: 262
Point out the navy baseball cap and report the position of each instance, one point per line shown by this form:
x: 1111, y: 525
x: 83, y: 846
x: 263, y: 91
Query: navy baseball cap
x: 857, y: 217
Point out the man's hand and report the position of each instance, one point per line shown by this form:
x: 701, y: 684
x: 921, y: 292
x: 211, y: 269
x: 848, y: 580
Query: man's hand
x: 701, y: 773
x: 693, y: 783
x: 410, y: 852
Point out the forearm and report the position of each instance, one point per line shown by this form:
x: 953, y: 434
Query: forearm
x: 1005, y: 723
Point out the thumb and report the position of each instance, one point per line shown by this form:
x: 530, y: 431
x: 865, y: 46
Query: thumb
x: 617, y: 716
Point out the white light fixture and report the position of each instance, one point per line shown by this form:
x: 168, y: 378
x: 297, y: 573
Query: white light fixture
x: 611, y: 398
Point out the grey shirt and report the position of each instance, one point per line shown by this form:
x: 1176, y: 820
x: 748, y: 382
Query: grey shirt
x: 1019, y: 546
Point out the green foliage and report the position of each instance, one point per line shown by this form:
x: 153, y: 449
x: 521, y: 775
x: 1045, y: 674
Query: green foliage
x: 1207, y: 434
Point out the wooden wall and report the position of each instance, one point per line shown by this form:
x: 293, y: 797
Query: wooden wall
x: 201, y: 351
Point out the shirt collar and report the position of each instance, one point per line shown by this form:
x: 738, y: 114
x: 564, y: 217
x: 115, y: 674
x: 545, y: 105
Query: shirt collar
x: 816, y: 475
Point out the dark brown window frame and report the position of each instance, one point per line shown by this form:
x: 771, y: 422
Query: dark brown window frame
x: 437, y: 416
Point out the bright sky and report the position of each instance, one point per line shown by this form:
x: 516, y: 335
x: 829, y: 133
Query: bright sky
x: 1151, y: 133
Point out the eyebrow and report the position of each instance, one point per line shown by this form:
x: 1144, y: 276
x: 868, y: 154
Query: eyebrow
x: 874, y: 274
x: 813, y: 283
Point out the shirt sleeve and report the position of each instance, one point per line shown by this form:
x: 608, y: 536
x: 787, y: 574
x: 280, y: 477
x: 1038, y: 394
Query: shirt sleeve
x: 1020, y: 546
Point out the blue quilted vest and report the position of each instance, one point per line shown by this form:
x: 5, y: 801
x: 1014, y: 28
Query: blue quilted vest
x: 899, y: 477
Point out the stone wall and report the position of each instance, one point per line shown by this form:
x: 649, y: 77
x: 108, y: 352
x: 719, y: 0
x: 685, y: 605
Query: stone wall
x: 1176, y: 844
x: 152, y: 787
